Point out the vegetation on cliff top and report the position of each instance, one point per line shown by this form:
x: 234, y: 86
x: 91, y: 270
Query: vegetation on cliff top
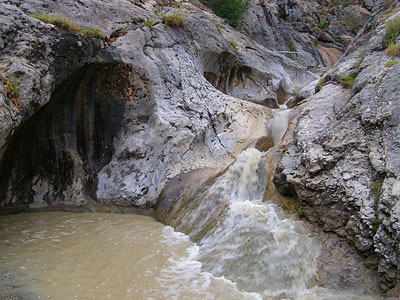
x: 231, y: 10
x: 68, y: 25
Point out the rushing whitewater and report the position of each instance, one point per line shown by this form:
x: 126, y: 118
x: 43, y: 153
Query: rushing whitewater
x: 256, y: 245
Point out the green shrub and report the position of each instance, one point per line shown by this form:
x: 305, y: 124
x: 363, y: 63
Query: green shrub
x: 391, y: 63
x: 322, y: 25
x: 93, y: 32
x: 174, y: 20
x: 59, y: 21
x: 230, y: 10
x: 393, y: 50
x: 348, y: 81
x: 393, y: 30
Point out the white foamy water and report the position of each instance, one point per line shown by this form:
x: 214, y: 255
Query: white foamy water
x: 259, y: 246
x: 256, y: 245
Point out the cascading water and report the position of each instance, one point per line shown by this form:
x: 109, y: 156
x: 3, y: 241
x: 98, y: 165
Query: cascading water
x: 256, y: 245
x: 279, y: 124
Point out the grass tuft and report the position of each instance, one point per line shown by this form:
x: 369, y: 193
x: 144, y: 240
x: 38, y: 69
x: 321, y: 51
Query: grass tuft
x: 393, y: 50
x: 174, y: 20
x: 348, y: 81
x: 93, y: 33
x: 393, y: 30
x: 219, y: 27
x: 59, y: 21
x: 320, y: 83
x: 391, y: 63
x: 233, y: 44
x: 323, y: 25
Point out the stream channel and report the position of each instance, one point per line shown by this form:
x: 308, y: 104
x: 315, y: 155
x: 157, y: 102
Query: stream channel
x: 257, y: 250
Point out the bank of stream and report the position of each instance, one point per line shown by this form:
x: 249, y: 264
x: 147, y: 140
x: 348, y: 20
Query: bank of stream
x: 253, y: 250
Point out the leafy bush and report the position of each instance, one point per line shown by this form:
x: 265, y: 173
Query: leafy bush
x: 393, y: 50
x: 59, y: 21
x: 393, y: 30
x: 174, y: 20
x: 391, y: 63
x: 348, y: 81
x: 230, y: 10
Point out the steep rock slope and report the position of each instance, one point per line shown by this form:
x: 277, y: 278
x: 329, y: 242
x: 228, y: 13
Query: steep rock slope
x: 316, y: 31
x: 111, y: 122
x: 343, y: 162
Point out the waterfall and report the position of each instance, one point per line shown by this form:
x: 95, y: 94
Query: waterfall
x: 256, y: 244
x: 279, y: 124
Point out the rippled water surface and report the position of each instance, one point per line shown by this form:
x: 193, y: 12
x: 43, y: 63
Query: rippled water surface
x: 59, y: 255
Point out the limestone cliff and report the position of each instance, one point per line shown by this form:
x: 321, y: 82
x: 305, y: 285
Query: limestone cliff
x: 310, y: 32
x: 343, y: 164
x: 111, y: 120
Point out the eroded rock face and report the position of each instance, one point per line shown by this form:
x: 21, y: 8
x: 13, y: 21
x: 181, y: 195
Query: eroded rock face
x: 113, y: 122
x: 53, y: 158
x: 343, y: 162
x: 313, y: 33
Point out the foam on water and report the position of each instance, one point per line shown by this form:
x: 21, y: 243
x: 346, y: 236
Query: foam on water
x: 185, y: 269
x: 257, y: 245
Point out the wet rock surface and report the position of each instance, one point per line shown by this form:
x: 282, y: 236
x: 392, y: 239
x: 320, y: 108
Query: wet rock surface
x: 343, y: 162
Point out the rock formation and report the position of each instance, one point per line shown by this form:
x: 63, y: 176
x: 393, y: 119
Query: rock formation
x: 150, y: 110
x: 343, y: 162
x: 310, y: 32
x: 110, y: 122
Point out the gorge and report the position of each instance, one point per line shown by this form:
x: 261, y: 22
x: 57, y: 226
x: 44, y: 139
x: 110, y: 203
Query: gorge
x: 248, y: 140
